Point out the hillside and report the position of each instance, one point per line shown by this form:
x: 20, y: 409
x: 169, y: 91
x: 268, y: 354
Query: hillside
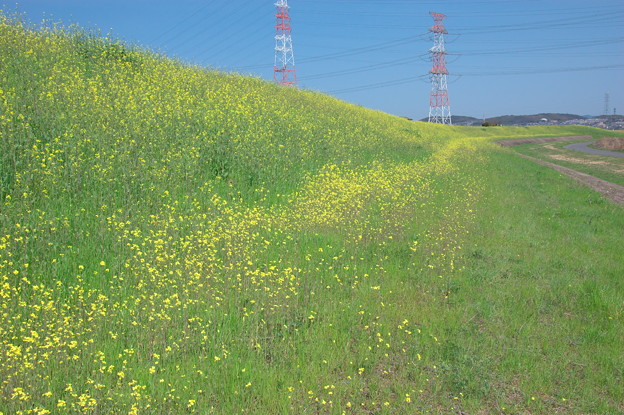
x: 514, y: 119
x: 178, y: 240
x: 532, y: 119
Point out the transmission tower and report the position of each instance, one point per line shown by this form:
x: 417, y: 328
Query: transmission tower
x: 284, y: 67
x: 439, y: 105
x: 606, y: 103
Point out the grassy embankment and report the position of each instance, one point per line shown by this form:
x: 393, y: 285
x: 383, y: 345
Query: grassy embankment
x: 174, y: 240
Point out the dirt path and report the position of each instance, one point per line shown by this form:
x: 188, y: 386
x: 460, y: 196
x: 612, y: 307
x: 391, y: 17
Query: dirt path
x: 520, y: 141
x: 613, y: 192
x: 583, y: 148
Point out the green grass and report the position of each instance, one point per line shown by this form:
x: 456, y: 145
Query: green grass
x: 177, y: 240
x: 604, y: 149
x: 540, y: 299
x: 604, y: 167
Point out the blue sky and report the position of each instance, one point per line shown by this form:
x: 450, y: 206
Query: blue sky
x: 505, y: 56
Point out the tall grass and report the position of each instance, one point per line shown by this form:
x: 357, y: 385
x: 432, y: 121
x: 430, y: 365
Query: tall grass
x: 177, y: 240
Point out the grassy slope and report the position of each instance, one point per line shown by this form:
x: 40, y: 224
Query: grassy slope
x: 175, y: 240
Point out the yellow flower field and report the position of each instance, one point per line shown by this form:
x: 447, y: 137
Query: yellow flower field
x: 178, y: 240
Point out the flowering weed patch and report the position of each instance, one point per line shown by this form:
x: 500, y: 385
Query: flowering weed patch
x: 177, y: 240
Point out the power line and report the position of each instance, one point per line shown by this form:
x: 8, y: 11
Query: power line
x: 544, y: 71
x: 381, y: 65
x: 183, y: 21
x: 614, y: 20
x: 532, y: 50
x: 362, y: 50
x: 474, y: 74
x: 234, y: 40
x: 584, y: 44
x: 379, y: 85
x: 351, y: 52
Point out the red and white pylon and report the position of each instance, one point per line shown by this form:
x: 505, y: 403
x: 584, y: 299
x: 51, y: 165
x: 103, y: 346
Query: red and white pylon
x: 284, y: 67
x: 439, y: 104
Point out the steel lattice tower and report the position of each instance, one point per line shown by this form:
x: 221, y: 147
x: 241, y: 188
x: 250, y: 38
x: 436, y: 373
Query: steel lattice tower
x: 284, y: 67
x: 439, y: 105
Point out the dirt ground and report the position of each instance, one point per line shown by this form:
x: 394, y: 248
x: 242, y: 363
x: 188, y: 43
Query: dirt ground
x: 577, y: 160
x: 611, y: 191
x: 520, y: 141
x: 611, y: 143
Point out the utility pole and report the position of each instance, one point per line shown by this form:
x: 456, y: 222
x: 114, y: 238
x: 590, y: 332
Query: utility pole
x: 439, y: 105
x: 284, y: 67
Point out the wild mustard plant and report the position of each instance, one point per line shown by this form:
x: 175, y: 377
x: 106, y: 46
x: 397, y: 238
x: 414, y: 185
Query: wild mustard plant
x: 178, y: 240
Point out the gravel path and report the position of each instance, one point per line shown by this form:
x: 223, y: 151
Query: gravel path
x: 583, y: 148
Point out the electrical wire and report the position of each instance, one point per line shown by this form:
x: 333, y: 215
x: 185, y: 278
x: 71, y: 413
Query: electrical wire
x: 241, y: 42
x: 351, y: 52
x: 183, y: 22
x: 378, y: 85
x: 475, y: 74
x: 377, y: 66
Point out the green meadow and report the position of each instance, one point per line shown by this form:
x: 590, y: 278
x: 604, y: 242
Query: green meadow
x: 177, y: 240
x: 604, y: 167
